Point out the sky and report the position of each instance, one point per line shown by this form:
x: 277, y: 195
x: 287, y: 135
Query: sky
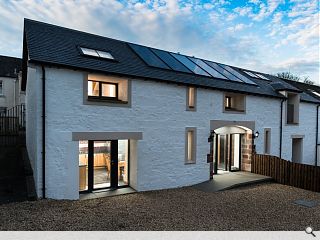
x: 270, y: 36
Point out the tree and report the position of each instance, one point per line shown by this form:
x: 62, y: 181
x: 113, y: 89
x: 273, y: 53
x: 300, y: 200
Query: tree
x: 293, y: 77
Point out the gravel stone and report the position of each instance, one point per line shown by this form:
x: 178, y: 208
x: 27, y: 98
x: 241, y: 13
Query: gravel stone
x: 259, y: 207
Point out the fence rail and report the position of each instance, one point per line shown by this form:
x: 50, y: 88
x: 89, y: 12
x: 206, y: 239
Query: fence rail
x: 12, y: 122
x: 288, y: 173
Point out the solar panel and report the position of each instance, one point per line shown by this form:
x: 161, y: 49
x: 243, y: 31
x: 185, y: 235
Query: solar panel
x: 148, y: 57
x: 237, y: 74
x: 207, y: 68
x: 221, y: 70
x: 177, y: 62
x: 170, y: 60
x: 189, y: 64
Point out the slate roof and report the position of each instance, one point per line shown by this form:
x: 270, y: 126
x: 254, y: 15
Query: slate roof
x: 54, y: 45
x: 306, y: 88
x: 10, y: 66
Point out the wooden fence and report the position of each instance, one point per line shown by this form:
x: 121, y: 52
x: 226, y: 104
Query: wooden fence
x: 288, y: 173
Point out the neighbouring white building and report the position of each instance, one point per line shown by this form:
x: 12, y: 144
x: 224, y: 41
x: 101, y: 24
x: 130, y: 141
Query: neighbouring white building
x: 10, y: 80
x: 103, y: 113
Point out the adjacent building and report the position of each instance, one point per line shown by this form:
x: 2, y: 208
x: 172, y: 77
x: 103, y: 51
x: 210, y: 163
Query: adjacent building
x: 104, y: 113
x: 10, y: 90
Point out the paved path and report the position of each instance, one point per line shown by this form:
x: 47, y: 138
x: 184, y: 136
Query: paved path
x: 230, y: 180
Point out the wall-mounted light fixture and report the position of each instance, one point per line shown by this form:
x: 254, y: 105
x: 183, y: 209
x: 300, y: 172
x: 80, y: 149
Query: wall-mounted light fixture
x: 256, y: 134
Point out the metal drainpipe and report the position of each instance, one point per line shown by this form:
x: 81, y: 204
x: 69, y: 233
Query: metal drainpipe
x: 281, y: 115
x: 317, y: 131
x: 43, y: 133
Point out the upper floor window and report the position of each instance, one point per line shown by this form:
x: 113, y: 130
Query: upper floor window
x: 293, y: 100
x: 96, y: 53
x: 1, y: 87
x: 107, y: 90
x: 234, y: 102
x: 102, y: 90
x: 191, y: 98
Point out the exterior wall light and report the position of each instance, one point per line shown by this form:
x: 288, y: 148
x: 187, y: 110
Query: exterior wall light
x: 256, y: 134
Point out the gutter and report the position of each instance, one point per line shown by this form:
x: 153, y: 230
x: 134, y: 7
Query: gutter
x: 43, y: 133
x: 281, y: 116
x: 317, y: 131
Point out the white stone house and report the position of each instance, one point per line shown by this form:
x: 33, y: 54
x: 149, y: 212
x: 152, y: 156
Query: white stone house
x: 103, y: 113
x: 10, y: 80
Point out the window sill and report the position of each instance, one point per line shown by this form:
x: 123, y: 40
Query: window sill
x: 292, y: 124
x: 189, y: 162
x: 106, y: 102
x: 231, y: 110
x: 192, y: 109
x: 94, y: 99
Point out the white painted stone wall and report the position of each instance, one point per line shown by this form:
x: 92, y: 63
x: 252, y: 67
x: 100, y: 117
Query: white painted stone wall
x: 158, y: 110
x: 33, y: 124
x: 307, y: 128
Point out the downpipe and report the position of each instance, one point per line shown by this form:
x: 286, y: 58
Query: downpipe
x: 281, y: 129
x: 317, y: 133
x: 43, y: 133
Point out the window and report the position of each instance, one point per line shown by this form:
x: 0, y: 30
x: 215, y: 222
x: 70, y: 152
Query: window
x: 102, y: 90
x: 234, y: 103
x: 190, y: 156
x: 106, y: 90
x: 191, y: 98
x: 96, y: 53
x: 293, y: 108
x: 267, y: 140
x: 1, y: 87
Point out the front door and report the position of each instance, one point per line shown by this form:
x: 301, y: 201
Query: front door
x: 103, y: 164
x: 227, y: 152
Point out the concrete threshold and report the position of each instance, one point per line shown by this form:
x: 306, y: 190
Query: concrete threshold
x: 106, y: 193
x: 221, y: 182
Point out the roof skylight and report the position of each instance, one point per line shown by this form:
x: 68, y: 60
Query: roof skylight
x: 262, y: 76
x: 314, y: 92
x: 96, y: 53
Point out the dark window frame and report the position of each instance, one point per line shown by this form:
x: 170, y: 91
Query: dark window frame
x: 100, y: 97
x: 1, y: 88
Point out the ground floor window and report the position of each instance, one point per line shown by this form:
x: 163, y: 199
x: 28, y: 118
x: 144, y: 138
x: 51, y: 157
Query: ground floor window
x: 297, y: 149
x: 190, y: 155
x: 103, y: 164
x: 267, y: 140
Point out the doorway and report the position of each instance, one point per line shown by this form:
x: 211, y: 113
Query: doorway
x: 228, y: 154
x: 103, y: 164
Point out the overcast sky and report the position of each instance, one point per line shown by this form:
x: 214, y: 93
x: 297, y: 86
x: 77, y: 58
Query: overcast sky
x: 264, y: 35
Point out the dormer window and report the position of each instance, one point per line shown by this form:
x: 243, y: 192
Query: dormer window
x: 96, y: 53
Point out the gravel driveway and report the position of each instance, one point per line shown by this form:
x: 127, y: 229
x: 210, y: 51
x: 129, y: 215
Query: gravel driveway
x: 260, y: 207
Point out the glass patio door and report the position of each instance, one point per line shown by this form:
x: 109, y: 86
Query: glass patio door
x: 103, y: 164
